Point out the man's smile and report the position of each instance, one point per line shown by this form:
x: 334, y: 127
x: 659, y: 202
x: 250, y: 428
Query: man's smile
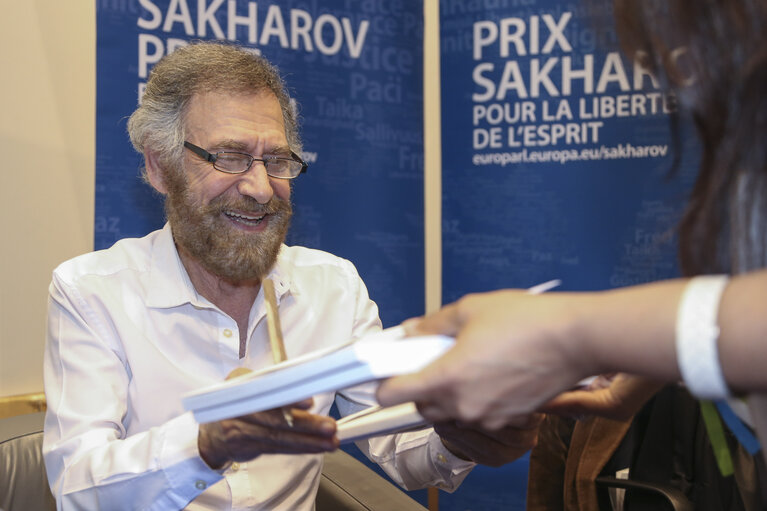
x: 249, y: 220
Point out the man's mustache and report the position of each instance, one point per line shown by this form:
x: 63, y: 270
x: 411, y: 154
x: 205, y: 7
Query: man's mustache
x: 250, y: 205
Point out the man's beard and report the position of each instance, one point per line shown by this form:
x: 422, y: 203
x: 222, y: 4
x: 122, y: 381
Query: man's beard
x: 222, y: 249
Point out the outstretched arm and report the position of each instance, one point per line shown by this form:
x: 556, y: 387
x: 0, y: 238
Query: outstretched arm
x: 514, y: 352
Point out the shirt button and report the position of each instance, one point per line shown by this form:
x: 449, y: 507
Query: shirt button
x: 200, y: 485
x: 441, y: 458
x: 235, y: 467
x: 227, y: 332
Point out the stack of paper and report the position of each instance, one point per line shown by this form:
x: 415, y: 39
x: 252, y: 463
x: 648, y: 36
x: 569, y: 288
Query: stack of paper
x: 376, y: 420
x: 387, y: 353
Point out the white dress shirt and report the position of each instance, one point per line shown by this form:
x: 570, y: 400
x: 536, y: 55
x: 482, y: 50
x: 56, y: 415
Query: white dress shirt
x: 128, y: 335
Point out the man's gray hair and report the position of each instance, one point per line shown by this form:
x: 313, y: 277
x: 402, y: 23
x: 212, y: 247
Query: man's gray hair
x: 157, y: 124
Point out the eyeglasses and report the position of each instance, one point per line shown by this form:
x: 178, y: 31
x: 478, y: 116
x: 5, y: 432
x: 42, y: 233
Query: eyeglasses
x: 238, y: 163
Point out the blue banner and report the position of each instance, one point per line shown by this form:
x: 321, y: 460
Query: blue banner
x: 556, y: 152
x: 355, y: 70
x: 556, y: 156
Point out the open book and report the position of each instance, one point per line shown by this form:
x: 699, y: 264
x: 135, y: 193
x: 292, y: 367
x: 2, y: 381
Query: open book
x: 380, y: 355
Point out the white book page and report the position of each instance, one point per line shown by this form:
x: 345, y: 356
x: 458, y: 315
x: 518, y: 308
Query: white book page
x: 377, y: 420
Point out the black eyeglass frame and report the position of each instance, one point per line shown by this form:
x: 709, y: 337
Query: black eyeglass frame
x: 212, y: 157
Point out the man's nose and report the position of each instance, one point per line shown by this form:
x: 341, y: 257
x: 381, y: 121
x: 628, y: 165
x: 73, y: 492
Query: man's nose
x: 255, y: 183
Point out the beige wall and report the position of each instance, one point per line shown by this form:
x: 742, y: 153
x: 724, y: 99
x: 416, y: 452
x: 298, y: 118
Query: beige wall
x: 47, y: 143
x: 47, y: 105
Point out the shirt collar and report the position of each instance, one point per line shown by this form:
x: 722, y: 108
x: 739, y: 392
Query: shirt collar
x: 168, y: 284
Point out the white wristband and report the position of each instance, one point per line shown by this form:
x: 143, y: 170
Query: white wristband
x: 697, y: 333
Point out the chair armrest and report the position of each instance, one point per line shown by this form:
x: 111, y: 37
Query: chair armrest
x: 654, y: 493
x: 19, y: 425
x: 345, y: 485
x: 348, y: 485
x: 23, y: 482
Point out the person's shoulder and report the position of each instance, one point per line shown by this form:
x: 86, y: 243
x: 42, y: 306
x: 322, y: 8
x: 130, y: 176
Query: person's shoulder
x: 305, y: 263
x: 299, y: 256
x: 125, y: 254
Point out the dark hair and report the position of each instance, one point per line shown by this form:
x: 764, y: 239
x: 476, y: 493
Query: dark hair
x: 713, y: 54
x: 197, y: 68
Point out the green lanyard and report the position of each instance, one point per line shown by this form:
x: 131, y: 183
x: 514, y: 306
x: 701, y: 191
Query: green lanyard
x: 716, y: 435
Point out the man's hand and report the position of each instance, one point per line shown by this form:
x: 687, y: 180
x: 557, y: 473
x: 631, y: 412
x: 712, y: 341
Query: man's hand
x: 490, y: 447
x: 616, y: 397
x: 247, y: 437
x: 513, y: 353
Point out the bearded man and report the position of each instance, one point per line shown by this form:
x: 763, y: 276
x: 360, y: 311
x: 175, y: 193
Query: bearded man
x: 135, y: 327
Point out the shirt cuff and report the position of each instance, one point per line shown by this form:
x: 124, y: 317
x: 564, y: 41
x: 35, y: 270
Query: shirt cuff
x: 187, y: 473
x: 439, y: 468
x: 455, y: 468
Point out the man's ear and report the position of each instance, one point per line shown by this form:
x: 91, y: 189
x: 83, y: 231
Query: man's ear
x: 154, y: 172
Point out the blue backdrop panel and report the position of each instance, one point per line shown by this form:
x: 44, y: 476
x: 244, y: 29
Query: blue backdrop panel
x: 355, y: 70
x: 556, y: 156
